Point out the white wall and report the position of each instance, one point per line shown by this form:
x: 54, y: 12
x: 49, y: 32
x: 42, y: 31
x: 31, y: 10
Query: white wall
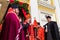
x: 34, y: 10
x: 56, y: 3
x: 42, y: 14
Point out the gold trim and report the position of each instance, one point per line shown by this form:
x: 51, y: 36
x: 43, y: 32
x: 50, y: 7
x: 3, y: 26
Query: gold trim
x: 47, y: 9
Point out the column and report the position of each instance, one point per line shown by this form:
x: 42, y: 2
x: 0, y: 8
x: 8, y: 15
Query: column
x: 34, y: 10
x: 56, y: 3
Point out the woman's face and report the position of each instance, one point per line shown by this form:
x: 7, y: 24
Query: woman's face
x: 17, y: 11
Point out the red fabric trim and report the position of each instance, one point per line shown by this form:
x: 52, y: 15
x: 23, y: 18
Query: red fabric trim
x: 0, y: 27
x: 11, y: 1
x: 24, y: 12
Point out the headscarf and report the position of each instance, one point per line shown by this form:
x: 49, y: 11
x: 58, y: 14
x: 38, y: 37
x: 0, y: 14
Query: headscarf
x: 11, y: 10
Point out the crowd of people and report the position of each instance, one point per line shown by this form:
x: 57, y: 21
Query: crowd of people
x: 18, y: 26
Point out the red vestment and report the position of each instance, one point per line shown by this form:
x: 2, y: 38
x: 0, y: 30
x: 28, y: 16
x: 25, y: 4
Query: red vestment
x: 32, y: 37
x: 40, y: 33
x: 37, y: 33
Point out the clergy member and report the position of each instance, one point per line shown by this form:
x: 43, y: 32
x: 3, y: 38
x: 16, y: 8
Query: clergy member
x: 26, y: 25
x: 51, y: 30
x: 11, y: 25
x: 40, y: 33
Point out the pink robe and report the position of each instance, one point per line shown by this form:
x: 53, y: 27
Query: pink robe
x: 10, y: 28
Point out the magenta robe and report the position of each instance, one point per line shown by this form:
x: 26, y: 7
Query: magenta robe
x: 10, y: 28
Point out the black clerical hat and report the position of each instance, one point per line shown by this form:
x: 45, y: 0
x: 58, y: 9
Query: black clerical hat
x: 48, y: 16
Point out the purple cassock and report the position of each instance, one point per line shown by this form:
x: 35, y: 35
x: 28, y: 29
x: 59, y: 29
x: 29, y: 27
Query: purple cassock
x: 10, y: 28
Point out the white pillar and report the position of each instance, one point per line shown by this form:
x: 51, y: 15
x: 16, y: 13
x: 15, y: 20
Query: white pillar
x: 56, y: 3
x: 34, y: 10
